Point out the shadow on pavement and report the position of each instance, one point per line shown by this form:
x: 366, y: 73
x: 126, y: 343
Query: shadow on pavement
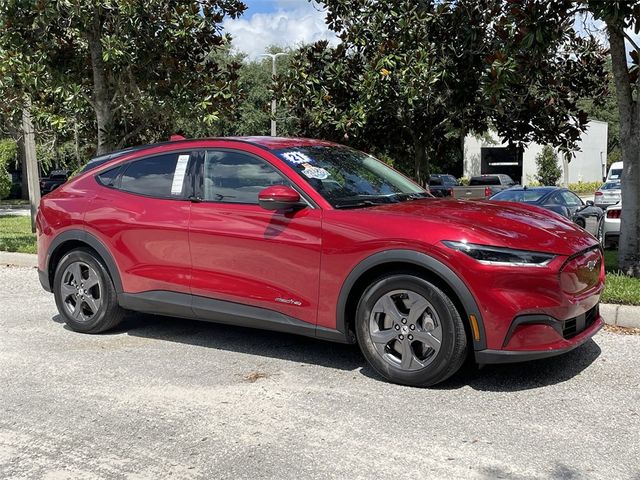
x: 526, y: 375
x: 490, y: 378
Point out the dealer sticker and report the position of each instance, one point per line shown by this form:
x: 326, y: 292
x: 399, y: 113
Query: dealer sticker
x: 296, y: 158
x: 315, y: 172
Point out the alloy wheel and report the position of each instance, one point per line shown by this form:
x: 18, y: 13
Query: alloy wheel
x: 81, y: 291
x: 405, y: 329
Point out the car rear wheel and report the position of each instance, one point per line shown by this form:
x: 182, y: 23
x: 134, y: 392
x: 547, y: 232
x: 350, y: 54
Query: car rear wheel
x: 410, y: 331
x: 84, y: 292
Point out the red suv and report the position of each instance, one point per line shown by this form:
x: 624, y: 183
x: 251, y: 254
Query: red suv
x: 318, y: 239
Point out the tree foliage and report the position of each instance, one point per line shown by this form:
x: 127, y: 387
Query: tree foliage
x: 621, y: 16
x: 549, y: 171
x: 418, y: 76
x: 136, y: 65
x: 8, y: 151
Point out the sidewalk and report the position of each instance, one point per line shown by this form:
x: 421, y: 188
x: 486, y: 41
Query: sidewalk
x: 620, y: 315
x: 8, y: 209
x: 18, y: 259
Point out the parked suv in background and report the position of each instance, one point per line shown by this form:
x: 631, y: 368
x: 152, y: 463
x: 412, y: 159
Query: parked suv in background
x: 615, y: 172
x: 314, y: 238
x: 441, y: 185
x: 53, y: 181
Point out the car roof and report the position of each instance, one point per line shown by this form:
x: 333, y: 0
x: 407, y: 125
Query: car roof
x: 267, y: 143
x: 536, y: 189
x: 277, y: 143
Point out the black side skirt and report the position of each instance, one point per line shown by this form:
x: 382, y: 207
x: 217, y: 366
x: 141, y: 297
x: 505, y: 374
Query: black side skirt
x: 160, y: 302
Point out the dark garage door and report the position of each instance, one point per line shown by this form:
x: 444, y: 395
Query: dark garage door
x: 506, y: 160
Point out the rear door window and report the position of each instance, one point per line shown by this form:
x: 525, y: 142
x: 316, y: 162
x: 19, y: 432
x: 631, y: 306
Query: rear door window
x: 161, y: 176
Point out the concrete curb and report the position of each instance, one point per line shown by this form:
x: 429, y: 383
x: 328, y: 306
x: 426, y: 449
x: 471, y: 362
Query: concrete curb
x: 14, y: 207
x: 19, y: 259
x: 619, y: 315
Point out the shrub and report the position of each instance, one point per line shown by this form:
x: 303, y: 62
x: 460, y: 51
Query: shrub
x: 549, y: 171
x: 8, y: 152
x: 585, y: 187
x: 5, y: 183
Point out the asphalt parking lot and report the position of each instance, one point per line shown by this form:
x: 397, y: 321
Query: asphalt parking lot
x: 163, y: 397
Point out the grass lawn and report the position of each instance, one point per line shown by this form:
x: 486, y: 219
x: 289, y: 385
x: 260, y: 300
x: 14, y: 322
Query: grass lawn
x: 620, y: 288
x: 15, y: 234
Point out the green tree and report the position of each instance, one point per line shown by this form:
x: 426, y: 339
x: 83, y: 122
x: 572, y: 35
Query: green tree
x: 549, y: 171
x: 619, y: 16
x: 255, y: 91
x: 137, y: 65
x: 8, y: 151
x: 418, y: 76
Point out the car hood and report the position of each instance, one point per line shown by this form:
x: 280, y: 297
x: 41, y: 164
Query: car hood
x: 508, y: 224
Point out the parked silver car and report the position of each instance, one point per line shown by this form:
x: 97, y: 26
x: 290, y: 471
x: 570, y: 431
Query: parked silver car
x: 607, y: 194
x: 609, y: 226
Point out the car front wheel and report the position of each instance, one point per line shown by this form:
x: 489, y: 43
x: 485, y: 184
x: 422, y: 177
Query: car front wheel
x: 84, y: 292
x: 410, y: 331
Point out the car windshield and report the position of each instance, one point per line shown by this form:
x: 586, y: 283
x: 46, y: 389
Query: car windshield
x: 526, y: 196
x: 347, y: 178
x: 615, y: 174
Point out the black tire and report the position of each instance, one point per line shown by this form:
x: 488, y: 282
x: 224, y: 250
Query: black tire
x: 108, y: 313
x: 600, y: 234
x: 453, y: 347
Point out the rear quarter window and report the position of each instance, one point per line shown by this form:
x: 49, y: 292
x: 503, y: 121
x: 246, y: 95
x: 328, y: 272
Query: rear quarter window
x: 108, y: 177
x: 160, y: 176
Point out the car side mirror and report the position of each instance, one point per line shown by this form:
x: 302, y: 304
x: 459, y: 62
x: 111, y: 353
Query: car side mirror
x: 280, y: 197
x: 589, y: 203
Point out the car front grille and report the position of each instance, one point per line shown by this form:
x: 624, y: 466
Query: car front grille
x: 574, y: 326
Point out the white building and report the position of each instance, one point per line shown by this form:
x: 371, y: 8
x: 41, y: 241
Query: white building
x: 490, y: 154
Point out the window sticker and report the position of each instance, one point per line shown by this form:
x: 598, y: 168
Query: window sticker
x: 296, y: 158
x: 178, y: 175
x: 314, y: 172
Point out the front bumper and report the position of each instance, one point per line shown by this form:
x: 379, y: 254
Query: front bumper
x: 564, y: 335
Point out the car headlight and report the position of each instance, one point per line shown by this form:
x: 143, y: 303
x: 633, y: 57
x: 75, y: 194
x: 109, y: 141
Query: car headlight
x: 501, y: 256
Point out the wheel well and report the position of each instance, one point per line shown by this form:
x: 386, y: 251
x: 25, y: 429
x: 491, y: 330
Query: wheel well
x: 396, y: 268
x: 61, y: 250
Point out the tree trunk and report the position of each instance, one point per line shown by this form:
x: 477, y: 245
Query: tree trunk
x: 421, y: 161
x: 24, y: 184
x: 629, y: 247
x: 31, y: 162
x: 101, y: 94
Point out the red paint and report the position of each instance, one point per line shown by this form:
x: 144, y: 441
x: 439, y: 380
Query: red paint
x: 244, y: 253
